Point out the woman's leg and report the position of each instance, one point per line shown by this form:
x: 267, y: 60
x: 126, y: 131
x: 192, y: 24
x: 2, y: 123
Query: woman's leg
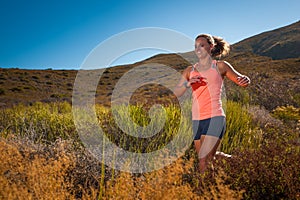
x: 206, y: 148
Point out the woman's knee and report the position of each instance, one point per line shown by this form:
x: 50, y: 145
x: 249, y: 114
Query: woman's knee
x: 203, y: 160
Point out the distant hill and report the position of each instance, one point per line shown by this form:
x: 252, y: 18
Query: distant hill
x: 280, y: 43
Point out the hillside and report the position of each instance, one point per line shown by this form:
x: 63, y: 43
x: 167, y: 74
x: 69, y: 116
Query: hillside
x: 274, y: 82
x: 280, y: 43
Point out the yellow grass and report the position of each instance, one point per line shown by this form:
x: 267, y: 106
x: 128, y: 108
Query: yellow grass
x: 27, y: 175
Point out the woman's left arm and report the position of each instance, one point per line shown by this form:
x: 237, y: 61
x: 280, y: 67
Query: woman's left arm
x: 227, y: 70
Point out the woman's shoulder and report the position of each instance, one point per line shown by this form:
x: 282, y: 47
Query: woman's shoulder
x: 221, y: 62
x: 187, y: 70
x: 223, y: 66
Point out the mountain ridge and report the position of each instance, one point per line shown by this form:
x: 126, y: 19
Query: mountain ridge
x: 280, y: 43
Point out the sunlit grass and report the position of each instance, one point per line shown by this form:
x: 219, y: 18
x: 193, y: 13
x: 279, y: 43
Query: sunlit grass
x: 41, y: 122
x: 49, y: 122
x: 241, y: 132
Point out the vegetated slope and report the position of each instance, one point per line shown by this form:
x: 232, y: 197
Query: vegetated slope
x: 28, y: 86
x: 273, y: 82
x: 280, y: 43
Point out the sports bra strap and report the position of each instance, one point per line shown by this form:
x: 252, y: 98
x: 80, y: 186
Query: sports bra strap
x: 214, y: 64
x: 193, y: 67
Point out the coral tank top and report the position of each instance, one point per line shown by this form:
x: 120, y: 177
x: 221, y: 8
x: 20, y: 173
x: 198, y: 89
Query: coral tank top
x: 207, y: 98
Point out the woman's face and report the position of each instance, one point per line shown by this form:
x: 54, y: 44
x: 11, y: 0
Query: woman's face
x: 202, y: 47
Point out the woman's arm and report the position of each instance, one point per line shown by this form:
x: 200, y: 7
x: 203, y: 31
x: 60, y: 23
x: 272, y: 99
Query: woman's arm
x: 183, y: 83
x: 227, y: 70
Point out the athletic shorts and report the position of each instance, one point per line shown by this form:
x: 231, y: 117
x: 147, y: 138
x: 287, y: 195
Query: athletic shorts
x: 215, y: 126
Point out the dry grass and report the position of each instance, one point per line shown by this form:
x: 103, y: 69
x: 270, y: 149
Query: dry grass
x: 27, y: 174
x: 177, y: 181
x: 32, y: 171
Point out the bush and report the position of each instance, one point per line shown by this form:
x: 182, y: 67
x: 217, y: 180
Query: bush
x: 270, y: 172
x: 16, y: 89
x: 2, y: 91
x: 287, y: 113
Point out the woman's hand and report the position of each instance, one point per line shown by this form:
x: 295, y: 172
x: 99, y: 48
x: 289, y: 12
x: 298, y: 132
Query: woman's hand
x: 198, y: 79
x: 243, y: 81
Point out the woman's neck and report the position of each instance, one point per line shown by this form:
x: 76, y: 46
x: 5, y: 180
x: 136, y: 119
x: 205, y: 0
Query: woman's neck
x: 204, y: 64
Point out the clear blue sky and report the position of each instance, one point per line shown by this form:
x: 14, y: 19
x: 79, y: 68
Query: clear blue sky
x: 59, y: 34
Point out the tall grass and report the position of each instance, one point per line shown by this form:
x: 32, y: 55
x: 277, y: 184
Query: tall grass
x: 41, y: 122
x: 142, y: 130
x: 241, y: 132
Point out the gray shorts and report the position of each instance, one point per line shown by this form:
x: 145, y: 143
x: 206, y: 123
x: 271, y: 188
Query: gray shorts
x: 215, y: 126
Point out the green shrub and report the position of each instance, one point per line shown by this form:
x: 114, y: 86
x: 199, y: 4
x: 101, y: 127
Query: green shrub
x: 287, y: 113
x: 16, y: 89
x: 239, y: 95
x: 2, y: 91
x: 58, y: 96
x: 296, y: 97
